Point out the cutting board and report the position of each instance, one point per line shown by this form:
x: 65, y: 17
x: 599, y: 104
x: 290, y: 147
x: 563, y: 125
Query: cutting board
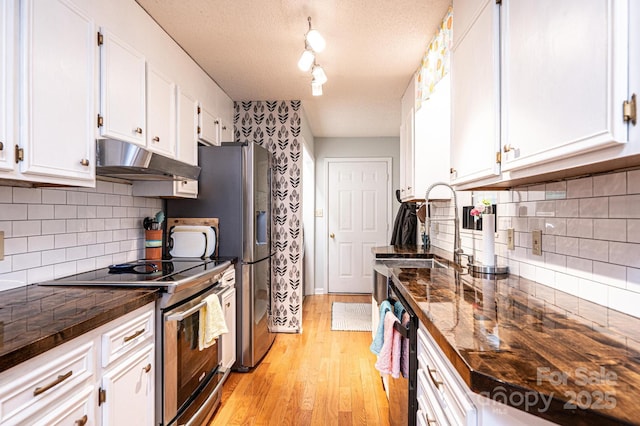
x: 195, y: 221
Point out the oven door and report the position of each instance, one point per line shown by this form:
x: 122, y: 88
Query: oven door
x: 190, y: 375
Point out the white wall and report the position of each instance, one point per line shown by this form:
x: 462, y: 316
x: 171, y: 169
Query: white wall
x: 342, y: 148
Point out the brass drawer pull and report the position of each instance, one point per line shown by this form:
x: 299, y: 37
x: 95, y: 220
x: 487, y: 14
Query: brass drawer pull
x: 138, y: 130
x: 82, y: 421
x: 84, y: 162
x: 228, y: 304
x: 435, y: 381
x: 1, y: 146
x: 147, y: 368
x: 156, y: 139
x: 60, y: 379
x: 134, y: 335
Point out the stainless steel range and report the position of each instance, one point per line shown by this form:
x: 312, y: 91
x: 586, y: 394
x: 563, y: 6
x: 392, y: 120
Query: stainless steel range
x: 188, y: 380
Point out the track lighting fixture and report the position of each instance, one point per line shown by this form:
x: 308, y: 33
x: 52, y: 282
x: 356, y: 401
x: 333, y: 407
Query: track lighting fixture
x: 313, y: 43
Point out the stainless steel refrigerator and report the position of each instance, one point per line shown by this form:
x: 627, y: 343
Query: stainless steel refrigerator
x: 235, y: 186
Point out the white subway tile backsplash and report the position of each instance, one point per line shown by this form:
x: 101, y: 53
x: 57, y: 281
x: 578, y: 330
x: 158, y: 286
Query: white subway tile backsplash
x: 66, y: 240
x: 5, y: 226
x: 87, y: 212
x: 85, y: 238
x: 26, y: 261
x: 65, y: 212
x: 633, y: 230
x: 112, y: 200
x: 568, y: 246
x: 6, y: 194
x: 77, y: 198
x: 95, y: 250
x: 113, y: 224
x: 545, y: 208
x: 13, y: 211
x: 76, y: 253
x: 557, y: 262
x: 633, y: 182
x: 39, y: 211
x: 567, y: 283
x: 27, y: 195
x: 104, y: 212
x: 104, y: 261
x: 43, y: 273
x: 126, y: 200
x: 580, y: 188
x: 88, y: 264
x: 140, y: 202
x: 54, y: 226
x: 95, y: 225
x: 112, y: 248
x: 51, y: 257
x: 104, y: 236
x: 5, y: 265
x: 626, y: 206
x: 122, y: 189
x: 63, y: 269
x: 624, y: 301
x: 582, y: 228
x: 40, y: 242
x: 556, y: 190
x: 593, y: 291
x: 76, y: 225
x: 15, y: 245
x: 104, y: 187
x: 96, y: 199
x: 633, y: 279
x: 582, y: 268
x: 26, y: 228
x: 536, y: 192
x: 54, y: 196
x: 610, y: 184
x: 120, y: 212
x: 555, y: 226
x: 567, y: 208
x: 594, y: 207
x: 594, y: 249
x: 626, y: 254
x: 610, y: 229
x: 610, y: 274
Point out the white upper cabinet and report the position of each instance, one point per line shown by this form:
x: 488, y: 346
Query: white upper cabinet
x: 407, y: 157
x: 564, y: 78
x: 7, y: 100
x: 58, y: 99
x: 122, y: 90
x: 161, y: 113
x: 208, y: 126
x: 187, y: 128
x: 475, y: 91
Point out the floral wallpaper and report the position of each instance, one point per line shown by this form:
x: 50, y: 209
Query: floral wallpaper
x: 276, y: 125
x: 435, y: 61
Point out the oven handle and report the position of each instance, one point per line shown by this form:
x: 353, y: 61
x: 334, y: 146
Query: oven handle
x: 179, y: 316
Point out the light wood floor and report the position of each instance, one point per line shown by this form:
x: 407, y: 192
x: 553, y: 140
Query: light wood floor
x: 318, y: 377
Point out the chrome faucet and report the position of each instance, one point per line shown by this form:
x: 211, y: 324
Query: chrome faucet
x: 457, y: 249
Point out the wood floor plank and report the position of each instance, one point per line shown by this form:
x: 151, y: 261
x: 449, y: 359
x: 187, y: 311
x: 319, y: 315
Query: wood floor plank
x: 317, y: 377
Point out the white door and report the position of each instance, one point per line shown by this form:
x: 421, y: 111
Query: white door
x: 358, y: 219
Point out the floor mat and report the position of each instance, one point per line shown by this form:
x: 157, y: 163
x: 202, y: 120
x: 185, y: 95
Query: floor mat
x: 350, y: 316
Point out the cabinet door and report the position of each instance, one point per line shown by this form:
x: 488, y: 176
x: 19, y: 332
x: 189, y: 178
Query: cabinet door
x: 226, y: 131
x: 564, y: 81
x: 7, y: 40
x: 129, y: 388
x: 187, y: 144
x: 161, y: 113
x: 209, y: 127
x: 407, y: 156
x: 475, y: 98
x: 185, y: 188
x: 229, y: 339
x: 122, y: 90
x: 58, y: 90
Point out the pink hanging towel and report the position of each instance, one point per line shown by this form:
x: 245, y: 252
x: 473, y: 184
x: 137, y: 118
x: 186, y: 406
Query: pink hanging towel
x: 384, y: 362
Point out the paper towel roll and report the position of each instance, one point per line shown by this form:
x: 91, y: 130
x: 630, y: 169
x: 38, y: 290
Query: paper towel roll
x: 488, y: 239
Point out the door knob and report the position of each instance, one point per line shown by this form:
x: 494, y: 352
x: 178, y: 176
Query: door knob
x: 332, y: 235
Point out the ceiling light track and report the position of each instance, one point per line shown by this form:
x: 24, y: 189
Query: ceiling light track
x: 313, y: 43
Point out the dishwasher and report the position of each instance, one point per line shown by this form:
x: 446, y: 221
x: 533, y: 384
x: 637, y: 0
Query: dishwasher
x: 402, y: 391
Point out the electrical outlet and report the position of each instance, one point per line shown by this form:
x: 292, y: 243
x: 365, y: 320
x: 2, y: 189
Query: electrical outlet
x: 536, y: 242
x: 1, y: 245
x: 511, y: 239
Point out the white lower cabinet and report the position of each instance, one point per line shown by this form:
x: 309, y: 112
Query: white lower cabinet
x: 228, y: 342
x: 68, y: 385
x: 129, y: 390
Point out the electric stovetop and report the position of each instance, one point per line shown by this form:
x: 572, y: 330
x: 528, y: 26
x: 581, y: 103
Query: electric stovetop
x: 167, y: 274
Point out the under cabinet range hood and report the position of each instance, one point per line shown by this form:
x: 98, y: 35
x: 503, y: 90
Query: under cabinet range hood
x: 124, y: 160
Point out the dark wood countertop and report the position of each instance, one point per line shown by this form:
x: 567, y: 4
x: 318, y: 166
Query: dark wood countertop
x: 512, y: 337
x: 34, y: 319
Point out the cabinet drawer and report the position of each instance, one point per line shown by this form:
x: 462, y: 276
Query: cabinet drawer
x: 37, y: 383
x: 117, y: 342
x: 445, y: 382
x: 428, y: 403
x: 76, y: 411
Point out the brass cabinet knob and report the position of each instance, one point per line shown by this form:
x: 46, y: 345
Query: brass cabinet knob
x: 508, y: 148
x: 332, y: 235
x: 138, y: 130
x: 1, y: 146
x: 452, y: 170
x: 84, y: 162
x: 156, y: 139
x: 82, y: 421
x: 147, y: 368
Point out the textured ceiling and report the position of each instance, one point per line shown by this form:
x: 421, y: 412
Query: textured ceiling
x: 251, y: 49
